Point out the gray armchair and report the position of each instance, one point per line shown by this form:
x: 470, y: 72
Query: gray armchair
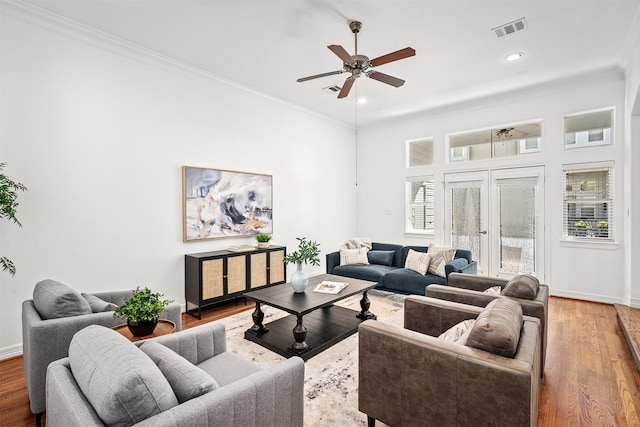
x: 409, y: 377
x: 238, y: 392
x: 469, y: 289
x: 45, y: 339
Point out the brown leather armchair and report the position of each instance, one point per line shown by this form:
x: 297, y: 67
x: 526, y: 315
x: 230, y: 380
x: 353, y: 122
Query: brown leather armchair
x: 469, y: 289
x: 409, y: 377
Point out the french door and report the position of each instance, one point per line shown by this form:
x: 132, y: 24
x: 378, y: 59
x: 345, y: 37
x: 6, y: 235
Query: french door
x: 499, y: 216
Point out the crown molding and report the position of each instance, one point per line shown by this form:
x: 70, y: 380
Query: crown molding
x: 54, y: 23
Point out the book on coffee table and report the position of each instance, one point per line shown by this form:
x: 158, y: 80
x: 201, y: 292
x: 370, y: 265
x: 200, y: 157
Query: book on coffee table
x: 328, y: 287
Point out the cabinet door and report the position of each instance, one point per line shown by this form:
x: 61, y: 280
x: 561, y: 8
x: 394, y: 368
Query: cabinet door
x: 212, y: 278
x: 258, y: 269
x: 277, y: 270
x: 236, y: 274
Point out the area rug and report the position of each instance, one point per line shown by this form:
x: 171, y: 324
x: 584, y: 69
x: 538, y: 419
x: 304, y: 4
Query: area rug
x: 331, y: 377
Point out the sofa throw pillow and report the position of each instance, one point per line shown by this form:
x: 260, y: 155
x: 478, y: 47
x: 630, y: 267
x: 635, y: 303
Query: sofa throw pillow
x: 493, y: 291
x: 456, y: 332
x: 98, y: 305
x: 439, y: 258
x: 417, y: 261
x: 121, y: 383
x: 381, y: 257
x: 522, y: 286
x: 53, y: 300
x: 497, y: 328
x: 353, y: 256
x: 186, y: 379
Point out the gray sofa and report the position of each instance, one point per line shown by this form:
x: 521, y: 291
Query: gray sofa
x: 390, y: 272
x: 410, y: 377
x: 46, y: 336
x: 182, y: 379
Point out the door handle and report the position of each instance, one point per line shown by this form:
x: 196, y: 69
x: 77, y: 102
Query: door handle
x: 482, y: 232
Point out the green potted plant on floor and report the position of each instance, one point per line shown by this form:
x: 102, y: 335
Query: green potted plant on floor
x: 307, y: 253
x: 263, y: 240
x: 142, y: 311
x: 8, y: 204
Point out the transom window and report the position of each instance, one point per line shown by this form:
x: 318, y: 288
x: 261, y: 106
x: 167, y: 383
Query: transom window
x: 588, y: 129
x: 503, y: 141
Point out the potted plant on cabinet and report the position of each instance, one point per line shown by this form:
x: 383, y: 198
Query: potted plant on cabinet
x: 306, y: 253
x: 142, y: 311
x: 263, y: 240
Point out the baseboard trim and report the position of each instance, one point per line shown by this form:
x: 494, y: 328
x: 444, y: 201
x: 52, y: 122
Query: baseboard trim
x: 11, y: 351
x: 586, y: 297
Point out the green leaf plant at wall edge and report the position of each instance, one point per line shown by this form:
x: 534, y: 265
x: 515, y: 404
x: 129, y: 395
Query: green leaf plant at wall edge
x: 8, y: 208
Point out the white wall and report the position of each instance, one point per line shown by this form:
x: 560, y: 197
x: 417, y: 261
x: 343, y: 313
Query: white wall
x: 98, y: 134
x: 594, y: 272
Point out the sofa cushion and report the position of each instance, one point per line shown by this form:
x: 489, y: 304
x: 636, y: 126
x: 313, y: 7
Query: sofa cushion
x: 410, y: 282
x: 370, y: 272
x: 122, y: 383
x: 353, y: 256
x: 457, y: 331
x: 98, y: 305
x: 186, y: 379
x: 497, y: 328
x: 522, y: 286
x: 53, y: 299
x: 417, y: 261
x: 439, y: 258
x: 381, y: 257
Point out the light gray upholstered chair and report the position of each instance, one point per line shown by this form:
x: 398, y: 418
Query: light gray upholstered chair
x: 221, y: 388
x: 46, y: 336
x: 470, y: 289
x: 410, y: 377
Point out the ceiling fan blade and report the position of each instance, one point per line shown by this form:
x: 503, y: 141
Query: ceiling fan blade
x: 393, y: 56
x: 346, y: 87
x: 385, y: 78
x: 317, y: 76
x: 342, y: 54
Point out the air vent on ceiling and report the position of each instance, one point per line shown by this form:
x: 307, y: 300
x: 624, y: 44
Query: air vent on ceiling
x: 332, y: 89
x: 511, y: 27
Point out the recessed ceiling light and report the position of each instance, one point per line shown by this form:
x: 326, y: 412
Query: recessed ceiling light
x: 513, y: 56
x: 362, y: 101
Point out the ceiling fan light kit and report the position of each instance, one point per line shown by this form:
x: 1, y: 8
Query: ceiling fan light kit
x: 359, y: 65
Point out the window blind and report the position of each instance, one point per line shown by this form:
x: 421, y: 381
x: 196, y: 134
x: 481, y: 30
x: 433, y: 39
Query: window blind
x: 588, y: 203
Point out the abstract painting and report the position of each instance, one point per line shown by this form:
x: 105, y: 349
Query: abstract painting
x: 220, y: 203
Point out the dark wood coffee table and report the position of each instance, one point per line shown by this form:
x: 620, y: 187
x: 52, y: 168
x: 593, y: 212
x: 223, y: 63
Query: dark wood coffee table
x: 325, y: 323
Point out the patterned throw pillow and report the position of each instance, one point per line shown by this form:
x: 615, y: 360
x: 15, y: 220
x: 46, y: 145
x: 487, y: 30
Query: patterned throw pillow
x: 493, y: 291
x: 417, y: 261
x: 456, y: 332
x: 439, y: 258
x: 354, y: 256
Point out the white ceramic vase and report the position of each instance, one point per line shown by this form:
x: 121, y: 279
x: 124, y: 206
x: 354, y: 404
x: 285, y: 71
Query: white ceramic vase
x: 299, y: 279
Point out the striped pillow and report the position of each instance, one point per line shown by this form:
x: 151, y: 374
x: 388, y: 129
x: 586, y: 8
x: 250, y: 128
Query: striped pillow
x: 439, y: 258
x: 354, y: 256
x: 417, y: 261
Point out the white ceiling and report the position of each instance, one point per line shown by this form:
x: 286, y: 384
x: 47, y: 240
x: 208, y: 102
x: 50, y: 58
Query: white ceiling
x: 266, y: 45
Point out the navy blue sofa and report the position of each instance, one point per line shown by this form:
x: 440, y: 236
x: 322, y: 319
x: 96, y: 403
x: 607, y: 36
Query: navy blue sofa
x: 390, y: 272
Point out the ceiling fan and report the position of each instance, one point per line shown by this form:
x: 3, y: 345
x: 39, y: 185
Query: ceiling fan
x: 359, y: 65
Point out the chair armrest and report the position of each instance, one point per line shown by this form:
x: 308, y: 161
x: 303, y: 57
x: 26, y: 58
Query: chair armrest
x: 116, y: 297
x: 462, y: 385
x: 432, y: 316
x: 473, y: 282
x: 333, y: 260
x: 461, y: 295
x: 197, y: 344
x: 66, y: 404
x: 274, y: 396
x: 47, y: 340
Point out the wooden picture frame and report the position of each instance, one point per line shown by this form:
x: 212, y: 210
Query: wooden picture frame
x: 218, y: 203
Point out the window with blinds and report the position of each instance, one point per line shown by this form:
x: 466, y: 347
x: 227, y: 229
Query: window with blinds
x: 420, y: 152
x: 588, y: 202
x: 419, y: 204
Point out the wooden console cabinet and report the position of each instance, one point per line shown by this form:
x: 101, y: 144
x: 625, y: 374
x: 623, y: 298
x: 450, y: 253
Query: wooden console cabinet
x: 212, y: 277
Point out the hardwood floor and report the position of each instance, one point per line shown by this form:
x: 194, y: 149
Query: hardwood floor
x: 590, y: 376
